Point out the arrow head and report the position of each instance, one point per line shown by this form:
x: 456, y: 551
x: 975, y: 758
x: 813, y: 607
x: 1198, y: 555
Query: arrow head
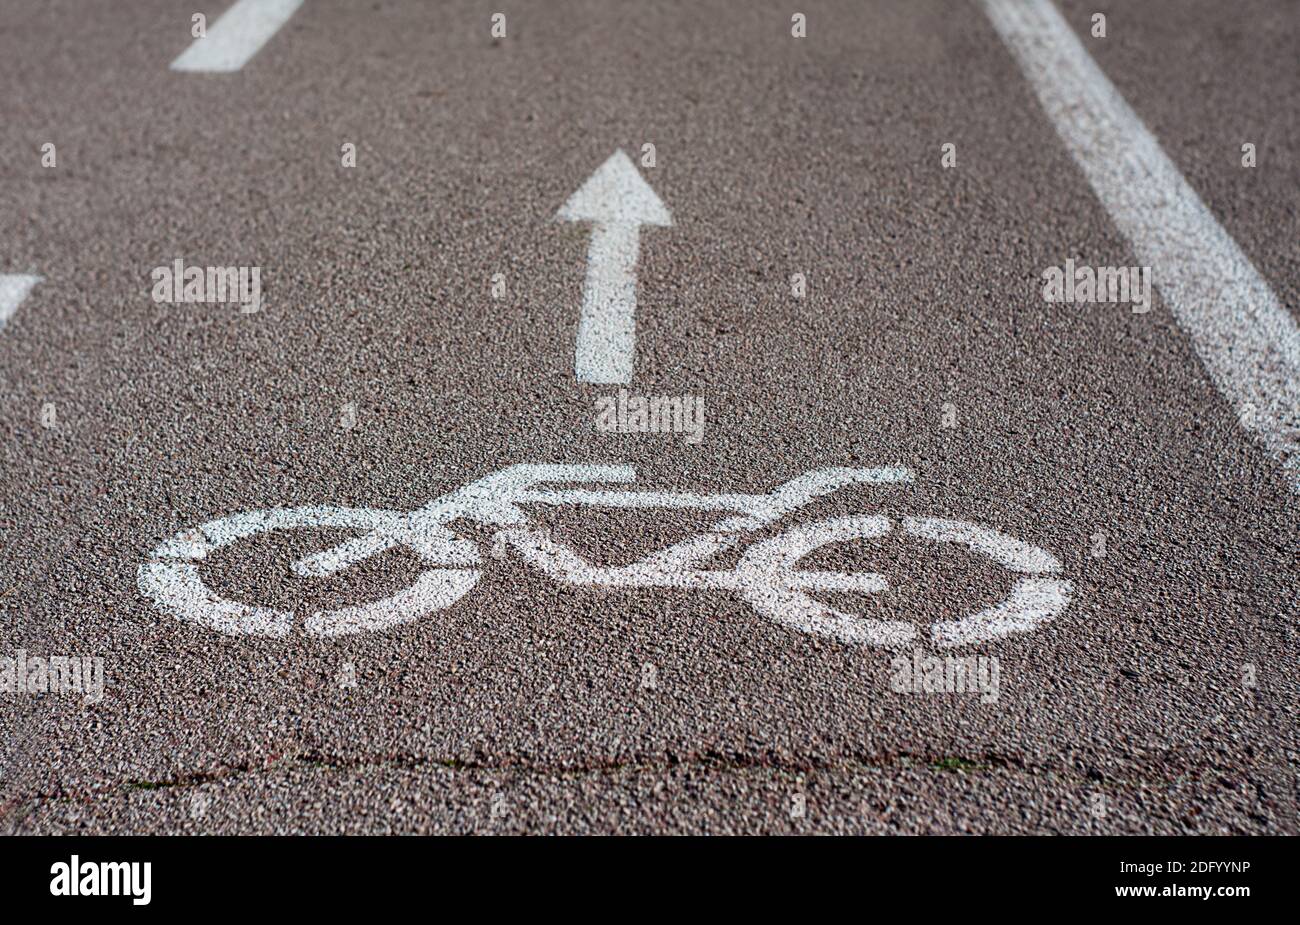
x: 615, y: 194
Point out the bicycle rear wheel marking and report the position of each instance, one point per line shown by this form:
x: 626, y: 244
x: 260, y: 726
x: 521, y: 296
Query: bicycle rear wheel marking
x: 173, y: 581
x: 176, y: 587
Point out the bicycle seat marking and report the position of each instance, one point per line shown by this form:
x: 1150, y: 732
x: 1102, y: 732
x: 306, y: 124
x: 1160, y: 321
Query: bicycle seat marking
x: 767, y: 576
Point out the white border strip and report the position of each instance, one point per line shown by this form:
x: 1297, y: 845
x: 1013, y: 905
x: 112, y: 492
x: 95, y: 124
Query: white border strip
x: 1248, y: 342
x: 239, y: 34
x: 13, y: 289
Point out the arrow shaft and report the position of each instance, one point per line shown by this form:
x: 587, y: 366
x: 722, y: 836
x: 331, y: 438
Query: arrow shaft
x: 607, y: 327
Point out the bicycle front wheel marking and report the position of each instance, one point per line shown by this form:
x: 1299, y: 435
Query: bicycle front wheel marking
x: 775, y: 586
x: 1031, y: 602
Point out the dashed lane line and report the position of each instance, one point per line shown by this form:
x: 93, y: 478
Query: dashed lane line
x: 238, y: 35
x: 13, y: 289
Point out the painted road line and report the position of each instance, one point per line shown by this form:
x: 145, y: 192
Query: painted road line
x: 1248, y: 342
x: 238, y: 35
x: 617, y: 201
x: 13, y: 289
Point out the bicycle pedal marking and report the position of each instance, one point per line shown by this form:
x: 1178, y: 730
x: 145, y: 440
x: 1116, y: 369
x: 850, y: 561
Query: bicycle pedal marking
x: 767, y: 575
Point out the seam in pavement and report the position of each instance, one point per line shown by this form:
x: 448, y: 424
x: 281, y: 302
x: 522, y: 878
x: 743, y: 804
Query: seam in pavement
x: 18, y: 807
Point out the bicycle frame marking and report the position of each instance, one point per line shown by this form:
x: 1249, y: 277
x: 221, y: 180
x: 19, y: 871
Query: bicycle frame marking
x: 767, y: 575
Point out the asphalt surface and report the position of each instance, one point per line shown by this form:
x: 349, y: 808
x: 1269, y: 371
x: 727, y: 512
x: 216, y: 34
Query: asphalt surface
x: 1163, y: 699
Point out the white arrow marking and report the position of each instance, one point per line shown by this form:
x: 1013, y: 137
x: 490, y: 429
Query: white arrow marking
x: 238, y: 35
x: 617, y: 201
x: 13, y: 289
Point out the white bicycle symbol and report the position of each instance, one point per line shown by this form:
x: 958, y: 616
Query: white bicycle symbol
x: 767, y: 575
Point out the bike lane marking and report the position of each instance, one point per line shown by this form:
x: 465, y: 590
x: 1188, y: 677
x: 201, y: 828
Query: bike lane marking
x: 617, y: 200
x: 768, y: 575
x: 1247, y: 341
x: 238, y: 35
x: 14, y: 288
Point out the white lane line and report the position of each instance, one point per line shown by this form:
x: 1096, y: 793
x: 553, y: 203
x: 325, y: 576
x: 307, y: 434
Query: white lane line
x: 13, y: 289
x: 617, y: 201
x: 238, y: 35
x: 1248, y: 342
